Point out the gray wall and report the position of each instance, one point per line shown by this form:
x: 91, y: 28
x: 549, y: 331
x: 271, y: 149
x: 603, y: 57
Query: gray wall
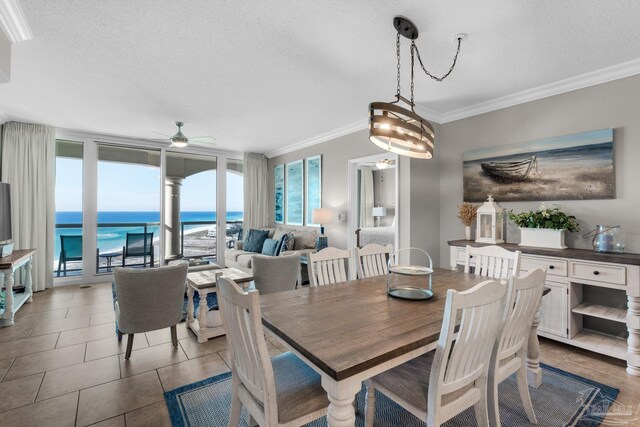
x: 335, y: 159
x: 609, y: 105
x: 418, y: 190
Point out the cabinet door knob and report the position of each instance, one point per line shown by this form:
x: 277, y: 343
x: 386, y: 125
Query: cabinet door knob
x: 596, y: 272
x: 551, y: 267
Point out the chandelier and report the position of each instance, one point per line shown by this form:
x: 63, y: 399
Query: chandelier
x: 394, y: 127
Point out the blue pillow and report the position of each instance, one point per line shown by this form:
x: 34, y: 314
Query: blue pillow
x: 255, y: 239
x: 269, y: 247
x: 281, y: 244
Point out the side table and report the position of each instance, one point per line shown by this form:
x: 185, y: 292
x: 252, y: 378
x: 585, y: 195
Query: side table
x: 9, y: 265
x: 208, y: 324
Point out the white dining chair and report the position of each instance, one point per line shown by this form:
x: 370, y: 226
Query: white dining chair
x: 329, y: 266
x: 510, y: 351
x: 282, y: 391
x: 443, y: 383
x: 372, y: 260
x: 492, y: 261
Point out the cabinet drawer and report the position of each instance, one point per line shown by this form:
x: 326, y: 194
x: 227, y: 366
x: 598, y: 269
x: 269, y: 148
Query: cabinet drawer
x: 599, y: 272
x: 462, y: 255
x: 554, y: 266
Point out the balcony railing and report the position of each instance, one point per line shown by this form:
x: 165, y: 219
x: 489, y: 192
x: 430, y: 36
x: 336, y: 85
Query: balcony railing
x: 197, y: 241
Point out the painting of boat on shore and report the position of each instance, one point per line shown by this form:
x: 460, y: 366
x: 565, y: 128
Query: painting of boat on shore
x: 570, y: 167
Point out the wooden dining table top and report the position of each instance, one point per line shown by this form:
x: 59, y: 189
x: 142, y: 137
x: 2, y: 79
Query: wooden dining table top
x: 347, y: 328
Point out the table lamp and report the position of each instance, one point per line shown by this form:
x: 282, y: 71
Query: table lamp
x: 379, y: 212
x: 322, y: 216
x: 6, y: 243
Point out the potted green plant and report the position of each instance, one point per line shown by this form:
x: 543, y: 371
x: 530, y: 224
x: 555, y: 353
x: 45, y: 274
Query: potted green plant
x: 545, y: 227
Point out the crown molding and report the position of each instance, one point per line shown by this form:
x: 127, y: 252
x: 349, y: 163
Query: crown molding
x: 13, y: 21
x: 592, y: 78
x: 327, y: 136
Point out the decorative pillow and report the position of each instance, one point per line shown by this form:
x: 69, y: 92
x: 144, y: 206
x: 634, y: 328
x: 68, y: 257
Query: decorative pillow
x: 306, y: 239
x: 281, y: 231
x: 269, y: 247
x: 255, y: 239
x: 288, y: 244
x: 280, y: 244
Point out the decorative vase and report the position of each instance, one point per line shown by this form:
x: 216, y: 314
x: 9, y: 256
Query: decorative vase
x: 467, y: 232
x: 542, y: 238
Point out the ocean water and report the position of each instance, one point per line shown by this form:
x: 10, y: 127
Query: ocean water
x: 111, y: 239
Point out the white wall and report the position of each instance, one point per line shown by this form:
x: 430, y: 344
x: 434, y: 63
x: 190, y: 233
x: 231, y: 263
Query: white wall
x: 384, y: 193
x: 609, y: 105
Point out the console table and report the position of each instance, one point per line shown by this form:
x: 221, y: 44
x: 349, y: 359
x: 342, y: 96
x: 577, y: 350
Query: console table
x: 9, y: 265
x: 594, y: 301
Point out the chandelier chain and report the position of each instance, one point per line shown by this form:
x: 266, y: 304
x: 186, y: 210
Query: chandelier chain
x: 439, y: 79
x: 398, y: 56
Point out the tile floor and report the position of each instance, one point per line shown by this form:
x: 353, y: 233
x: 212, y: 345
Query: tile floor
x: 62, y: 365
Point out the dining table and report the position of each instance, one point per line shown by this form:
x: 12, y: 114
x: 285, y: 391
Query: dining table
x: 349, y: 332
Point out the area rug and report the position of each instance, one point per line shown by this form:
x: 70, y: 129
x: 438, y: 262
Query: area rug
x: 563, y: 399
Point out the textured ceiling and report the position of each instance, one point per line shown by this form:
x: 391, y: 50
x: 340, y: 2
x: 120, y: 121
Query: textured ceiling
x: 261, y: 75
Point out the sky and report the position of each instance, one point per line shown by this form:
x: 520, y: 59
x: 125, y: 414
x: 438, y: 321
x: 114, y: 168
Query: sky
x: 566, y: 141
x: 128, y: 187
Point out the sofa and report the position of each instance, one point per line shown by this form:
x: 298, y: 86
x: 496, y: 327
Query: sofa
x: 304, y: 243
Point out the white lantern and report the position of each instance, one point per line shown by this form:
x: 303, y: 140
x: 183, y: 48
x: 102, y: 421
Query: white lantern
x: 490, y: 222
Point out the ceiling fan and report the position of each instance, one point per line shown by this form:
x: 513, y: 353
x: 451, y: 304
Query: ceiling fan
x: 180, y: 140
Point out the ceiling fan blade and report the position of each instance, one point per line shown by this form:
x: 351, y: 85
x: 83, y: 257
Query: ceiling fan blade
x: 161, y: 134
x: 203, y: 139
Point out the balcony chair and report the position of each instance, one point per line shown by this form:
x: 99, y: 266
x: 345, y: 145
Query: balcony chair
x: 493, y: 262
x: 70, y: 250
x: 138, y: 245
x: 443, y: 383
x: 147, y: 300
x: 278, y: 392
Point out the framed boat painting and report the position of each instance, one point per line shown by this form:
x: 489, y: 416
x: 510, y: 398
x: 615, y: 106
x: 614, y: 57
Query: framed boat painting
x: 570, y: 167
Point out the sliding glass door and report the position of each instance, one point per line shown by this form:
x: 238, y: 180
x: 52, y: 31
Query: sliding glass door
x: 128, y: 217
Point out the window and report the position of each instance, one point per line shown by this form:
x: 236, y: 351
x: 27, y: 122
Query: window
x: 68, y: 197
x: 294, y: 184
x: 128, y: 204
x: 190, y: 206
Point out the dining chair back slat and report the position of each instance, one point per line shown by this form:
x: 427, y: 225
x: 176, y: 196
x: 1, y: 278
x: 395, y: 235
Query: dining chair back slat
x: 327, y: 266
x: 372, y: 260
x: 492, y: 261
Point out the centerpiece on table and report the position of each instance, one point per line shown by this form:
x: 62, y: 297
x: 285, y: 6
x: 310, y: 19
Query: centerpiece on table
x: 467, y: 213
x: 544, y: 228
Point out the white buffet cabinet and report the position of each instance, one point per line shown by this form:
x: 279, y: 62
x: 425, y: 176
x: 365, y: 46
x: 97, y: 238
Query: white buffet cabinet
x: 594, y: 302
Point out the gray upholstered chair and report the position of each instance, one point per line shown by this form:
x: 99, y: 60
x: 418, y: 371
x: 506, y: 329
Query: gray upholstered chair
x: 149, y: 299
x: 276, y: 273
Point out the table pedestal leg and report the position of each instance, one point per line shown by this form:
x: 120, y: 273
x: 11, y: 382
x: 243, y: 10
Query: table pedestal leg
x: 189, y: 304
x: 534, y: 373
x: 202, y: 316
x: 341, y: 395
x: 28, y: 283
x: 633, y: 342
x: 8, y: 298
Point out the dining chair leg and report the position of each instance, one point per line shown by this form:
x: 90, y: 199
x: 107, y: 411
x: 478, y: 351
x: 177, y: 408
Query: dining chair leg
x: 119, y: 336
x: 370, y: 404
x: 480, y: 408
x: 236, y: 405
x: 174, y: 336
x: 523, y: 389
x: 129, y: 346
x: 492, y: 399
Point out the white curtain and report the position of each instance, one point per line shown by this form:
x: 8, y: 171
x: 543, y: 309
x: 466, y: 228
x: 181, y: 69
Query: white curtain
x: 28, y: 165
x: 366, y: 196
x: 256, y: 191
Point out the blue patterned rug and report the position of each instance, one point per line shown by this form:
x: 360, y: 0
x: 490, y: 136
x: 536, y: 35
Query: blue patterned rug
x: 563, y: 399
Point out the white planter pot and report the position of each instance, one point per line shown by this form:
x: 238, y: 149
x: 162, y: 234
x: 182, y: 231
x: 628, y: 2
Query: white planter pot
x: 542, y: 238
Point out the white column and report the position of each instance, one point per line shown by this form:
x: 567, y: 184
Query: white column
x: 172, y: 216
